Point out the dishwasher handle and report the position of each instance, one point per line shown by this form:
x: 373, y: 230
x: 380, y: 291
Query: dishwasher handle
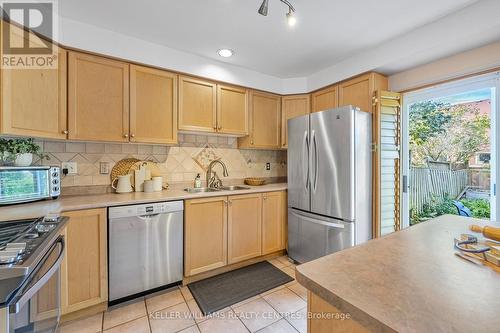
x: 148, y: 215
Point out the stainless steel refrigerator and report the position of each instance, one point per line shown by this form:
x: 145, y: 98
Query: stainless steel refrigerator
x: 329, y: 182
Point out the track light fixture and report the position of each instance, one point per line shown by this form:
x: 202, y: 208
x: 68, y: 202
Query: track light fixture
x: 264, y: 8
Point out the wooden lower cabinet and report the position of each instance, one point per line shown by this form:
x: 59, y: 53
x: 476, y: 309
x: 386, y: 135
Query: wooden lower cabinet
x: 273, y: 222
x: 325, y: 318
x: 84, y: 278
x: 222, y: 231
x: 244, y: 227
x: 205, y: 244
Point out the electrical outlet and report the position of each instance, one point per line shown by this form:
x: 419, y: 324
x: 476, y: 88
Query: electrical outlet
x: 104, y: 168
x: 71, y: 166
x: 268, y: 166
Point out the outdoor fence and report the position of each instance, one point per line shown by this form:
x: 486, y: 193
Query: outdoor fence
x: 426, y: 184
x: 479, y: 178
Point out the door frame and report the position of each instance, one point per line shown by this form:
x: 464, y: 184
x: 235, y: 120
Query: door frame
x: 490, y: 80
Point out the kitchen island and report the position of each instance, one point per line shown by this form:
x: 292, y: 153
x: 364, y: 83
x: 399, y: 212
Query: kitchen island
x: 408, y: 281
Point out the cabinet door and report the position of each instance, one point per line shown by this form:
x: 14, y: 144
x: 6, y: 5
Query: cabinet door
x: 197, y: 105
x: 98, y: 98
x: 272, y: 222
x: 325, y: 99
x: 291, y: 107
x: 232, y: 110
x: 205, y: 223
x: 244, y: 227
x: 359, y: 91
x: 265, y: 122
x: 33, y: 101
x: 84, y: 278
x: 153, y: 105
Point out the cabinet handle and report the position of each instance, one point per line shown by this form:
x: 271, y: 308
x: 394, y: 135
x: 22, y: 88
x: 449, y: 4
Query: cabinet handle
x: 265, y: 198
x: 230, y: 202
x: 132, y: 135
x: 65, y: 132
x: 225, y: 202
x: 125, y: 135
x: 215, y: 128
x: 220, y: 127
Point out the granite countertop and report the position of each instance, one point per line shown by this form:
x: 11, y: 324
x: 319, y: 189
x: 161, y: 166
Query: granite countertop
x: 78, y: 202
x: 410, y: 281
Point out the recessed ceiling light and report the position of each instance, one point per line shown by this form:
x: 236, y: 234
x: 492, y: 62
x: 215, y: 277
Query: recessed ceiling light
x: 225, y: 53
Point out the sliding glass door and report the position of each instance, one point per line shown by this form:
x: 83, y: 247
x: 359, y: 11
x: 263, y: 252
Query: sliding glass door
x: 450, y: 150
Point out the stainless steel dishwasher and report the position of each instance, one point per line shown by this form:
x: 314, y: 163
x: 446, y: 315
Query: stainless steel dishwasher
x: 145, y: 248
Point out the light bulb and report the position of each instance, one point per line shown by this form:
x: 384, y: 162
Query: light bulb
x: 291, y: 19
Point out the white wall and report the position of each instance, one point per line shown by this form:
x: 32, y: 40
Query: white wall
x: 466, y: 63
x: 465, y: 29
x: 91, y: 38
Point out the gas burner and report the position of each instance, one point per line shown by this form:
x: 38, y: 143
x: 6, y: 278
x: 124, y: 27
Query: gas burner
x: 45, y: 227
x: 19, y: 239
x: 11, y: 253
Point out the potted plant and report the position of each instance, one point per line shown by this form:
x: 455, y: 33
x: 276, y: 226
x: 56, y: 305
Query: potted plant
x: 19, y: 151
x: 6, y: 157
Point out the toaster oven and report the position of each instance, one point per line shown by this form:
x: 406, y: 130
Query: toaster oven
x: 26, y: 184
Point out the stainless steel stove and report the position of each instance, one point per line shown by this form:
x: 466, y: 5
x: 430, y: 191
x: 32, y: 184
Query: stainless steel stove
x: 31, y: 252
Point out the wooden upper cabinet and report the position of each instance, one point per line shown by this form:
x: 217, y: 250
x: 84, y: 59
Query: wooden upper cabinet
x: 292, y: 106
x: 205, y: 225
x: 197, y: 105
x: 33, y: 101
x: 232, y: 110
x: 153, y: 105
x: 325, y: 99
x: 273, y: 222
x: 244, y: 227
x: 98, y: 98
x: 84, y: 277
x: 265, y: 122
x: 359, y: 91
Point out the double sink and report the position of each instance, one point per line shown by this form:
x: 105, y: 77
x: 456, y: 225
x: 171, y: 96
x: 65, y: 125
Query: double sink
x: 213, y: 189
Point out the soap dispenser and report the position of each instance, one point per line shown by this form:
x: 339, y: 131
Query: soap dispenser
x: 197, y: 181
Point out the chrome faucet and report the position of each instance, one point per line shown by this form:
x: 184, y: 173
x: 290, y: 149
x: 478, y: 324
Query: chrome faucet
x: 213, y: 180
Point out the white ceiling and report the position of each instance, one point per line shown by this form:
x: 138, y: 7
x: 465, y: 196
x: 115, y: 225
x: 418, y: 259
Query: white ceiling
x: 327, y: 32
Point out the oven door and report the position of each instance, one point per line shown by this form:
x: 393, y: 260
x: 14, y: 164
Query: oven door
x: 36, y: 307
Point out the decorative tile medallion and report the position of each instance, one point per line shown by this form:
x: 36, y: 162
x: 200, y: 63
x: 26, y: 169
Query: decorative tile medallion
x: 204, y: 156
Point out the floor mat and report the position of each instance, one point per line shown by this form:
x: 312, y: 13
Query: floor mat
x: 220, y: 291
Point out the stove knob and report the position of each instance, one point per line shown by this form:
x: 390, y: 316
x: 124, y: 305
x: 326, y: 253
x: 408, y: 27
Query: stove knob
x: 55, y: 182
x: 55, y: 188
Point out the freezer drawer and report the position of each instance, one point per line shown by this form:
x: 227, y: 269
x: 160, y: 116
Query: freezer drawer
x: 312, y: 236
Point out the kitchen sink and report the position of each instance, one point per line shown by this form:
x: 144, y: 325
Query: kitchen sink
x: 210, y: 189
x: 234, y: 188
x: 200, y: 189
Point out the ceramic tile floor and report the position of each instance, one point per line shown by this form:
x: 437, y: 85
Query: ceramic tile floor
x: 282, y: 309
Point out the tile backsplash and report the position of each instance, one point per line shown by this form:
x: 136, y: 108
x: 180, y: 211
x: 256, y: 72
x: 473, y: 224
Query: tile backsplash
x: 178, y: 163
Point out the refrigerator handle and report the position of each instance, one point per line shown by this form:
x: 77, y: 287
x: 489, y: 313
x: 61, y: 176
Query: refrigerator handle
x: 305, y: 158
x: 316, y: 159
x: 328, y: 224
